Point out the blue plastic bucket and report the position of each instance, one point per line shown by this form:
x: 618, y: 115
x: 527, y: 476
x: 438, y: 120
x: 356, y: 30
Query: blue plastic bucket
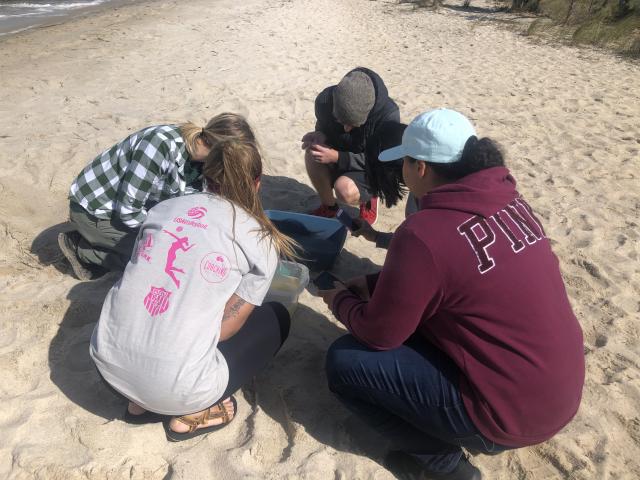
x: 321, y: 238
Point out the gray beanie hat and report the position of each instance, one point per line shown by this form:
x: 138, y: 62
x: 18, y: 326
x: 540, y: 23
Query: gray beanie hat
x: 353, y: 99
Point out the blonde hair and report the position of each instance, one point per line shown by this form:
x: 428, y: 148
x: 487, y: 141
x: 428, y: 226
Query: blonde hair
x: 225, y: 126
x: 231, y: 170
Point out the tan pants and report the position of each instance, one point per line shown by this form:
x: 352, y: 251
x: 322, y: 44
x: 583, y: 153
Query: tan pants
x: 105, y: 243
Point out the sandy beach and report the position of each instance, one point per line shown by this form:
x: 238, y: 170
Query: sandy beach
x: 568, y: 118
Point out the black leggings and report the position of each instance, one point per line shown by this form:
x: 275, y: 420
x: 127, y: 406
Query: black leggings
x: 250, y: 350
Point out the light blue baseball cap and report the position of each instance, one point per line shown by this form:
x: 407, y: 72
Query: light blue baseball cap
x: 436, y: 136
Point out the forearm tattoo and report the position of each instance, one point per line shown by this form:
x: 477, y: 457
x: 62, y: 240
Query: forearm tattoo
x: 233, y: 309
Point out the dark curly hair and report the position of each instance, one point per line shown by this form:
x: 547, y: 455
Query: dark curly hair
x: 478, y: 154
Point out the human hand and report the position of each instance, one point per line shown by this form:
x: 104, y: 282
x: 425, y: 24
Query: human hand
x: 358, y: 285
x: 323, y: 154
x: 329, y: 295
x: 311, y: 138
x: 362, y: 228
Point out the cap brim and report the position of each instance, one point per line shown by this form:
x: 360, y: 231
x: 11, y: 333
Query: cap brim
x: 395, y: 153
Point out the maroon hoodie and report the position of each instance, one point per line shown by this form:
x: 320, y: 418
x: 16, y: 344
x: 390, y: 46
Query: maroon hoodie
x: 473, y: 272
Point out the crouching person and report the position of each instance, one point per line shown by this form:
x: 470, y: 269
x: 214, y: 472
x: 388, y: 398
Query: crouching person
x: 466, y: 338
x: 185, y: 327
x: 110, y: 198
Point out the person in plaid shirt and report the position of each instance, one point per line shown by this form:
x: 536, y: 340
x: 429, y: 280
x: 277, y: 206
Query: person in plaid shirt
x: 110, y: 198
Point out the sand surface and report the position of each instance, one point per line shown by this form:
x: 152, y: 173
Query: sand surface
x: 568, y: 118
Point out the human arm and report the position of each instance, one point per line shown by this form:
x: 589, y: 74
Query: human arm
x: 236, y: 312
x: 142, y: 173
x: 361, y: 286
x: 348, y: 161
x: 313, y: 138
x: 258, y: 268
x: 323, y: 154
x: 315, y: 144
x: 365, y: 230
x: 253, y: 287
x: 334, y: 136
x: 407, y: 290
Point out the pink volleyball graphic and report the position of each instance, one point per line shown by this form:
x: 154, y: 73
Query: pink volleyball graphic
x: 157, y: 301
x: 215, y: 267
x: 197, y: 212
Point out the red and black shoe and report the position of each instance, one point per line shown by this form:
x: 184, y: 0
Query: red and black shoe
x: 325, y: 211
x: 369, y: 211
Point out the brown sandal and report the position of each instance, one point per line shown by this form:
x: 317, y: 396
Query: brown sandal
x: 203, y: 419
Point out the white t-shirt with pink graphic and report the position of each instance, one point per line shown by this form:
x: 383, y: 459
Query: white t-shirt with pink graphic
x: 156, y: 341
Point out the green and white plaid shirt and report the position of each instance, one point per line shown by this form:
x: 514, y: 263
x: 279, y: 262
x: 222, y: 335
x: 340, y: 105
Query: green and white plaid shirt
x: 132, y: 176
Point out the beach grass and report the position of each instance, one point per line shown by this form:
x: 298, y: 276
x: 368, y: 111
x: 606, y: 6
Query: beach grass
x: 613, y: 24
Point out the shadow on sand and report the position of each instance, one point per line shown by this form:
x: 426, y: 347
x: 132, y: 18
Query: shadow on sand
x: 45, y: 247
x: 282, y: 391
x: 284, y: 193
x: 72, y: 368
x: 293, y: 390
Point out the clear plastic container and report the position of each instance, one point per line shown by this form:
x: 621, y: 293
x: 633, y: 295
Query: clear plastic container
x: 290, y: 280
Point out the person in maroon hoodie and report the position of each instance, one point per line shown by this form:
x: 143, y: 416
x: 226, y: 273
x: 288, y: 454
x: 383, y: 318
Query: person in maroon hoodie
x: 466, y: 338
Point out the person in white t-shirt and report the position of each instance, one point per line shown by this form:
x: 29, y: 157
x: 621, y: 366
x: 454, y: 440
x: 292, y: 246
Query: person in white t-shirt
x: 183, y: 328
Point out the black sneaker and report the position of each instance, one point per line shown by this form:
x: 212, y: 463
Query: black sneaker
x: 407, y: 467
x: 68, y: 242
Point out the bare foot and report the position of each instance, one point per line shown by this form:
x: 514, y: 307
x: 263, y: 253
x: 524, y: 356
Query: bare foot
x: 179, y: 427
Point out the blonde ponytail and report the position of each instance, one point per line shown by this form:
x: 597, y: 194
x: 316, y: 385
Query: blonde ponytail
x: 222, y: 127
x: 232, y: 169
x: 190, y: 133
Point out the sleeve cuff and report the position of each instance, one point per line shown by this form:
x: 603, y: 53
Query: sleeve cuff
x: 343, y: 161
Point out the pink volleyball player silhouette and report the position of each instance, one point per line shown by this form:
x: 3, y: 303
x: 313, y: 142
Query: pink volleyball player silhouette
x: 181, y: 243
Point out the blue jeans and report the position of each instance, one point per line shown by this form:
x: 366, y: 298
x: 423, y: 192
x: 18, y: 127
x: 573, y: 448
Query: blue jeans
x: 410, y: 396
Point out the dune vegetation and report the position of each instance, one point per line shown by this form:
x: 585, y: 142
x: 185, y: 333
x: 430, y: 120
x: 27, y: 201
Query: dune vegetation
x: 606, y: 23
x: 612, y: 24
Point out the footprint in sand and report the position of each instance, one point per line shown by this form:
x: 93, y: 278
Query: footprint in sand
x: 585, y: 225
x: 601, y: 340
x: 593, y: 270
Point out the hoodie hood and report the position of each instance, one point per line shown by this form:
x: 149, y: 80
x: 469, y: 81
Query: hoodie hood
x: 481, y: 193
